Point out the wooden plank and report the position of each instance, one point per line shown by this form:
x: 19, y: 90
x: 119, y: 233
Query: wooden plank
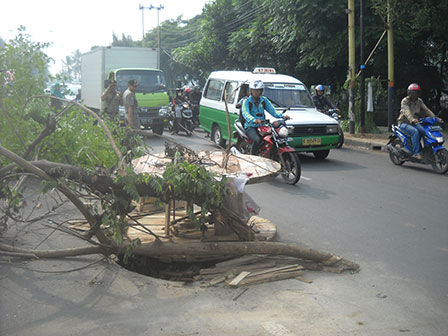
x: 221, y: 278
x: 268, y: 278
x: 237, y: 279
x: 167, y: 217
x: 248, y: 259
x: 277, y: 269
x: 240, y: 268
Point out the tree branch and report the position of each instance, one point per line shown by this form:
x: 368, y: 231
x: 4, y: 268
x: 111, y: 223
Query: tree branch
x: 27, y: 166
x: 70, y: 252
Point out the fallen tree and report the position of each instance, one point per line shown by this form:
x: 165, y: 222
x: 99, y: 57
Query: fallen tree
x: 116, y: 188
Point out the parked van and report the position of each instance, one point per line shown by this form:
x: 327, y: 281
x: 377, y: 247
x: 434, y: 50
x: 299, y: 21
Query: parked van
x: 312, y: 131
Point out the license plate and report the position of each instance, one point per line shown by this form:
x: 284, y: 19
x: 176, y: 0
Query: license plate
x: 312, y: 141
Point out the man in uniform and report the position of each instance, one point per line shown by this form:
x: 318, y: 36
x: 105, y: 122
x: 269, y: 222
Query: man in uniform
x: 111, y: 100
x: 131, y: 105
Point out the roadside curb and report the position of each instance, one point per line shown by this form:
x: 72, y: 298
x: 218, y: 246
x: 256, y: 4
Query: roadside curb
x: 372, y: 144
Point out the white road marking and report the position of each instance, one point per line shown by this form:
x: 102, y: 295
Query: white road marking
x: 305, y: 178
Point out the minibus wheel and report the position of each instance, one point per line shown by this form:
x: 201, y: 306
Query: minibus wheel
x: 217, y: 136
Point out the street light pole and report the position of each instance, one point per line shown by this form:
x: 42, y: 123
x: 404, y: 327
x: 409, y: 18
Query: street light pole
x: 158, y: 29
x: 143, y: 23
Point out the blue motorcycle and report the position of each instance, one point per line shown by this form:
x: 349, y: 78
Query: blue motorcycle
x: 433, y: 152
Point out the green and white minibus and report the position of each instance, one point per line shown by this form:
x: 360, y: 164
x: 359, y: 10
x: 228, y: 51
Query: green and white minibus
x: 312, y: 131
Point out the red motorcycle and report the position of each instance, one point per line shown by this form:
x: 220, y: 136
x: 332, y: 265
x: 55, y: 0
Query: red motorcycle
x: 274, y: 146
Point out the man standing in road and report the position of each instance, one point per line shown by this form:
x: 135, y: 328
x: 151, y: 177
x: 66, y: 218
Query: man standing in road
x: 111, y: 100
x: 131, y: 105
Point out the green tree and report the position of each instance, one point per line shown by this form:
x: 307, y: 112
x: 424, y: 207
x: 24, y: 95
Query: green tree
x: 125, y: 41
x: 72, y: 66
x: 29, y: 64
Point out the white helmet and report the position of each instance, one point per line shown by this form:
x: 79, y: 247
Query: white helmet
x: 256, y: 84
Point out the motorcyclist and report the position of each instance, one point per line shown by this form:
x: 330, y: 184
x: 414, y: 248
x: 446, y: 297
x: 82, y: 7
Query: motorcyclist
x: 186, y: 92
x: 413, y: 108
x: 178, y: 100
x: 253, y: 112
x: 321, y: 101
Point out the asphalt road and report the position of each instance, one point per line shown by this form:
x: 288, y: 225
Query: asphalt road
x: 357, y: 204
x: 391, y: 220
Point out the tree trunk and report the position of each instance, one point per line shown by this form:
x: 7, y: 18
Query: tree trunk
x: 203, y: 251
x: 191, y: 250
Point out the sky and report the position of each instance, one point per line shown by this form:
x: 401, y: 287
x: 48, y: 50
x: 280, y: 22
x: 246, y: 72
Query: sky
x: 81, y: 24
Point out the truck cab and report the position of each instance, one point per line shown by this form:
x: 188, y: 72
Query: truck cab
x: 102, y: 64
x: 151, y: 95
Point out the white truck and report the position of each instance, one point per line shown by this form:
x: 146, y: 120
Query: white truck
x: 123, y: 64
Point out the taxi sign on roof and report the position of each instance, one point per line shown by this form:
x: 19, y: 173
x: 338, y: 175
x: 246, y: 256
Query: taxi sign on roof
x: 259, y: 70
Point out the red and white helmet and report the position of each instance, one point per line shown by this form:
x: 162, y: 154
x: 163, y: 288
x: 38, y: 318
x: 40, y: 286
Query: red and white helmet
x: 414, y: 87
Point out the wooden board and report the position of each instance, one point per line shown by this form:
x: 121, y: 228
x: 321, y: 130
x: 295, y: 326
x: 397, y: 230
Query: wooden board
x: 256, y: 168
x: 156, y: 223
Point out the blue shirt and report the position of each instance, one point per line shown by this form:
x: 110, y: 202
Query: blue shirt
x: 251, y: 112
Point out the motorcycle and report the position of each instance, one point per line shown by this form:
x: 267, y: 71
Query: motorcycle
x: 336, y: 116
x: 274, y: 146
x: 433, y: 152
x: 181, y: 118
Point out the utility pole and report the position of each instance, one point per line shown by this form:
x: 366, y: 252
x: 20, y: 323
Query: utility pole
x: 362, y: 67
x: 351, y: 64
x: 390, y: 68
x: 142, y: 8
x: 158, y: 30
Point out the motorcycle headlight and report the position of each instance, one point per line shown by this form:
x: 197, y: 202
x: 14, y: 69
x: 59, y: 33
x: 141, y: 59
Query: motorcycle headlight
x: 332, y: 128
x: 185, y: 105
x: 290, y: 129
x: 440, y: 140
x: 283, y: 132
x: 163, y: 112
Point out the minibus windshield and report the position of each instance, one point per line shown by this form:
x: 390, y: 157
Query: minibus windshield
x: 148, y: 80
x: 288, y: 95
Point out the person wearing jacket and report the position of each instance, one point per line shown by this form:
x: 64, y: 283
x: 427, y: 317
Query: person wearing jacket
x: 56, y: 104
x: 321, y: 101
x: 253, y: 112
x: 413, y: 108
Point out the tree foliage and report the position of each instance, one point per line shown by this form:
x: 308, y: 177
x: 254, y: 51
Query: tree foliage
x: 309, y: 40
x: 77, y: 138
x: 28, y: 62
x: 72, y: 66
